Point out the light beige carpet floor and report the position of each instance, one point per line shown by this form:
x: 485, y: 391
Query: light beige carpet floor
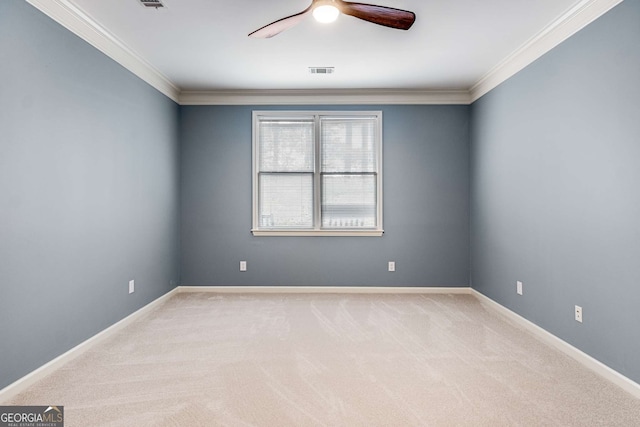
x: 206, y: 359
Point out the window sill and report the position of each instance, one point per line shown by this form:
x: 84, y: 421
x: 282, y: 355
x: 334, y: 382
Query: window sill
x: 317, y: 233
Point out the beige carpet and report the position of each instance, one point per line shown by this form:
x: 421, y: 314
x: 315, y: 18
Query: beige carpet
x: 207, y: 359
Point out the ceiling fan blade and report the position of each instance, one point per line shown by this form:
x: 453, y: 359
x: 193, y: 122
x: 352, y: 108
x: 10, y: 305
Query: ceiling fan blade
x: 280, y: 25
x: 381, y: 15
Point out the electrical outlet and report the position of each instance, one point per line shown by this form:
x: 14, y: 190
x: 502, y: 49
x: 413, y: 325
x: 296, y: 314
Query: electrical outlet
x: 519, y: 287
x: 132, y: 286
x: 392, y: 266
x: 243, y: 265
x: 578, y: 313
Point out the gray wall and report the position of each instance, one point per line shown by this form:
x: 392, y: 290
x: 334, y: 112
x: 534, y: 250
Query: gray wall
x: 426, y: 213
x: 88, y: 191
x: 90, y: 186
x: 556, y: 190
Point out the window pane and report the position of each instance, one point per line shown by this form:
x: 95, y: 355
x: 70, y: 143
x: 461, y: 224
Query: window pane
x: 286, y: 200
x: 348, y: 145
x: 349, y: 201
x: 286, y: 146
x: 316, y: 171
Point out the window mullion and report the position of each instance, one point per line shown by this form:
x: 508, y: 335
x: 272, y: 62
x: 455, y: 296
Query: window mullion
x: 317, y: 182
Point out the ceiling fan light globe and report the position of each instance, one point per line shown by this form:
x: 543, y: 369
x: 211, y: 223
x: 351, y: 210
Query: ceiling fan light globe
x: 326, y: 13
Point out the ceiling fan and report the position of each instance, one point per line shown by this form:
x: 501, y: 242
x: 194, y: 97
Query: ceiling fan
x: 328, y: 11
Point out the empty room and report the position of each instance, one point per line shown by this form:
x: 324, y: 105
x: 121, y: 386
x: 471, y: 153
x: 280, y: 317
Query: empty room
x: 320, y: 213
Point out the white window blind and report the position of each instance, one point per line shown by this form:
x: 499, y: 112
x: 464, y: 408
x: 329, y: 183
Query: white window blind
x: 317, y: 173
x: 286, y: 165
x: 349, y: 169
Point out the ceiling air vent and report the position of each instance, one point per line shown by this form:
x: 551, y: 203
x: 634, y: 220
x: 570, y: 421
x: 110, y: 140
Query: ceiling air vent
x: 321, y: 70
x: 152, y: 3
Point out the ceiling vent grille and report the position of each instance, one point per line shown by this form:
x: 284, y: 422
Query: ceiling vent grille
x: 152, y: 3
x: 321, y: 70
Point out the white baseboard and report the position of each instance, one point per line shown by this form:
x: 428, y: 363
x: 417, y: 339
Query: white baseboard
x: 324, y: 290
x: 587, y: 361
x: 23, y: 383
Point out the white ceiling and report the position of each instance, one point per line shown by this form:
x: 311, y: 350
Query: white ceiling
x: 202, y: 45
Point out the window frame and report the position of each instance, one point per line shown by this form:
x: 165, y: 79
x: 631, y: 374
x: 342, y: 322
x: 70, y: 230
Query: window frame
x: 317, y: 229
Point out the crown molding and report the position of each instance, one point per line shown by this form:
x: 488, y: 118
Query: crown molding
x: 324, y: 97
x: 79, y: 23
x: 572, y: 21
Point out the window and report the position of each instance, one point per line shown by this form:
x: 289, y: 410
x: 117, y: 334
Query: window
x: 317, y: 173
